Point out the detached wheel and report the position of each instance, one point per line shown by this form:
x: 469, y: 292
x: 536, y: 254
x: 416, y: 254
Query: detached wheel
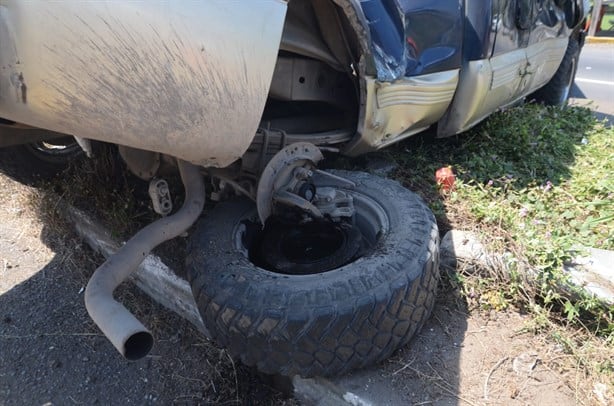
x: 317, y: 321
x: 556, y: 91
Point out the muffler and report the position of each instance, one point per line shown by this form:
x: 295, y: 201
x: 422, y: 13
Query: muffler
x: 124, y: 331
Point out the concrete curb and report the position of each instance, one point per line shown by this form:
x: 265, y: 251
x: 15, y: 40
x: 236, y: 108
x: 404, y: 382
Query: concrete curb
x: 592, y: 275
x: 600, y: 40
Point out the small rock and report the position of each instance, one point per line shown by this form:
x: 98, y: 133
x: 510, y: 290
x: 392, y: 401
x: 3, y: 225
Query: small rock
x: 465, y: 245
x: 601, y: 392
x: 524, y: 364
x: 55, y: 364
x: 594, y: 273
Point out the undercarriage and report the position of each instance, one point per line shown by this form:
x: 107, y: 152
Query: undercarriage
x: 296, y: 270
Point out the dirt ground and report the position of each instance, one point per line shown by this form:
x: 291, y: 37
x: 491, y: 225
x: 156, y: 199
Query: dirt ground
x: 51, y: 352
x: 475, y: 359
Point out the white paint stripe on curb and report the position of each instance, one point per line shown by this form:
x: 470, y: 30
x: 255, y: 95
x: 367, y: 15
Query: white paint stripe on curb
x: 594, y: 81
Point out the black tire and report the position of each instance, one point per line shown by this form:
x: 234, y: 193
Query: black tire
x: 556, y: 91
x: 326, y: 323
x: 43, y: 160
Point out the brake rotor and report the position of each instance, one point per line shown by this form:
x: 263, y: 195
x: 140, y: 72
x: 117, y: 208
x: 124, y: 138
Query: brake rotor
x: 281, y: 171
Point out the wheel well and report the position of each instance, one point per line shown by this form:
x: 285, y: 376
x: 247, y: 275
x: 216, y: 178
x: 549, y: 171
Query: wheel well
x: 315, y: 83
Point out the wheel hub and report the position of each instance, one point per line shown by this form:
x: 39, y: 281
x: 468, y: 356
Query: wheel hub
x: 301, y: 249
x: 288, y: 184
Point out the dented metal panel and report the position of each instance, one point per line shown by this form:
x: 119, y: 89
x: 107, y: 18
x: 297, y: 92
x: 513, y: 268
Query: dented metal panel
x: 478, y: 95
x: 396, y: 110
x: 188, y: 79
x: 487, y: 85
x: 544, y: 59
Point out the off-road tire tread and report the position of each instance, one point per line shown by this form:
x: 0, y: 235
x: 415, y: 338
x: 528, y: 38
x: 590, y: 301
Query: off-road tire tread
x: 266, y: 324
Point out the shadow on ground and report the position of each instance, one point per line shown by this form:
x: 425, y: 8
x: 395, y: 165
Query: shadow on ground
x: 579, y: 98
x: 50, y: 350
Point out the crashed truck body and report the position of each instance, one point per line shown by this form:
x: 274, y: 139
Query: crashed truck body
x: 296, y: 270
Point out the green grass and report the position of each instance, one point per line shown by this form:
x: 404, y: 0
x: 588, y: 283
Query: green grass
x: 547, y: 181
x: 534, y: 181
x: 607, y: 22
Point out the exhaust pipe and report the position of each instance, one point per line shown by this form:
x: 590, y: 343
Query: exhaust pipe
x: 124, y: 331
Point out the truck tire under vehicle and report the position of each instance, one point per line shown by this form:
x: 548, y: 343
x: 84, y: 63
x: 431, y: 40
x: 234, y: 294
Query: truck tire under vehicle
x: 319, y: 323
x: 43, y: 160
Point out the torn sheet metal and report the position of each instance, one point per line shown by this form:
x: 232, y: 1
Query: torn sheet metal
x: 414, y: 37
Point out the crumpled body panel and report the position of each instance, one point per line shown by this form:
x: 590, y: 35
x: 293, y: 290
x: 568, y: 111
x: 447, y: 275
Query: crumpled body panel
x: 414, y: 37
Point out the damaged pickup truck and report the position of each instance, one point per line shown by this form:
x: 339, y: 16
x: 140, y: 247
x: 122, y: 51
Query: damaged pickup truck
x: 296, y: 270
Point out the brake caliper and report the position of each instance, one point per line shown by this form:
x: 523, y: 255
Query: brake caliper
x: 290, y: 180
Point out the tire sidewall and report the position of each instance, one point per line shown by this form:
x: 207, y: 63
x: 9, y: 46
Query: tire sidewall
x: 370, y: 274
x: 557, y: 91
x: 322, y: 324
x: 572, y: 68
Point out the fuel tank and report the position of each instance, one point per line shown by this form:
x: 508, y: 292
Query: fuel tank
x: 188, y: 79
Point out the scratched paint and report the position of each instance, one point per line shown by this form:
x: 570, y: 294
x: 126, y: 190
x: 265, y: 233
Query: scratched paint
x: 188, y: 79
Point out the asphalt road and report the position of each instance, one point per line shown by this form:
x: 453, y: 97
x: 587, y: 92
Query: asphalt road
x: 595, y: 79
x: 51, y: 353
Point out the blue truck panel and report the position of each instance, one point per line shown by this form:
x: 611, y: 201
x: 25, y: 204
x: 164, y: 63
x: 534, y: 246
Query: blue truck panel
x: 479, y: 30
x: 414, y: 37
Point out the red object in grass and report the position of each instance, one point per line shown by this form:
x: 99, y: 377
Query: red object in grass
x: 445, y: 177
